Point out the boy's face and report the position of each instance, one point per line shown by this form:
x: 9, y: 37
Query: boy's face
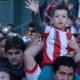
x: 64, y: 73
x: 60, y: 18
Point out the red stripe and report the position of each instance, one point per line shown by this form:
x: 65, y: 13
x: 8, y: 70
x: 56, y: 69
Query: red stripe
x: 45, y: 35
x: 69, y: 36
x: 46, y: 59
x: 33, y: 70
x: 57, y: 46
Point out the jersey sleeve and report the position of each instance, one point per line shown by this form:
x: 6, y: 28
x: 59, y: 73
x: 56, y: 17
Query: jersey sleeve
x: 34, y: 73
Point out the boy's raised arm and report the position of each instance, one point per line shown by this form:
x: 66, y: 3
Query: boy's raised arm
x: 33, y: 5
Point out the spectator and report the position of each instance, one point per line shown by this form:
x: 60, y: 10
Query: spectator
x: 10, y: 27
x: 5, y: 71
x: 73, y: 7
x: 2, y: 44
x: 14, y: 48
x: 27, y: 37
x: 76, y: 28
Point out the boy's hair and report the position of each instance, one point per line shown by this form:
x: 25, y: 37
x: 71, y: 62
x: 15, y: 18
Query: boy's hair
x: 15, y: 42
x: 61, y: 7
x: 63, y: 61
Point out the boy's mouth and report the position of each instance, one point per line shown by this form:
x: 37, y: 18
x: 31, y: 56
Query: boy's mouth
x: 60, y: 23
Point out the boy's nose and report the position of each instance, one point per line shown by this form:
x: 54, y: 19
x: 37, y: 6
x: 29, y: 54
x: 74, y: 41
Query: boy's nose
x: 60, y: 18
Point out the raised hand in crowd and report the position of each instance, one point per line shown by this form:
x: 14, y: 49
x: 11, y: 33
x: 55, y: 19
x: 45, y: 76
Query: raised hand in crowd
x: 33, y: 5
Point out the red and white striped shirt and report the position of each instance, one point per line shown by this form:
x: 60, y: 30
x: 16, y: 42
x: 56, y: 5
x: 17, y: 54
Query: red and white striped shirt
x: 55, y: 44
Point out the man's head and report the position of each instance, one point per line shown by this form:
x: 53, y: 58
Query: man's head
x: 33, y: 34
x: 2, y: 43
x: 64, y: 68
x: 10, y: 26
x: 78, y: 21
x: 60, y: 16
x: 30, y: 27
x: 14, y: 47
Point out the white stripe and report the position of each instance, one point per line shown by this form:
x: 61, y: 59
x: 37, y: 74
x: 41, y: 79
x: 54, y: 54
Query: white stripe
x: 50, y: 44
x: 63, y: 40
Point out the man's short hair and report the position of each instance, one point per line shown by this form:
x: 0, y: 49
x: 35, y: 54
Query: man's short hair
x: 65, y: 61
x: 15, y: 42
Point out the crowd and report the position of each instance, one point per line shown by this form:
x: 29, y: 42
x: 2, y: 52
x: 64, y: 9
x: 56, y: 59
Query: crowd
x: 49, y: 49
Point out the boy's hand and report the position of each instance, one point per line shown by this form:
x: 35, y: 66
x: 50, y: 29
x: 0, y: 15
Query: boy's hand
x: 33, y: 5
x: 73, y: 44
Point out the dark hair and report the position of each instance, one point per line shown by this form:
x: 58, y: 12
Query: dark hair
x: 65, y: 61
x: 9, y: 24
x: 4, y: 35
x: 33, y: 31
x: 61, y: 7
x: 31, y: 24
x: 14, y: 42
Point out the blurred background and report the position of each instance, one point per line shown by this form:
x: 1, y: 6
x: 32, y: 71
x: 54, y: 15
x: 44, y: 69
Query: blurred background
x: 14, y: 12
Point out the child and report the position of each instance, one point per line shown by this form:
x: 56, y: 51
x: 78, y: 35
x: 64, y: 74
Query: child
x: 57, y: 40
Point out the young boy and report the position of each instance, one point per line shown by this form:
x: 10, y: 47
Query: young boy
x: 57, y: 40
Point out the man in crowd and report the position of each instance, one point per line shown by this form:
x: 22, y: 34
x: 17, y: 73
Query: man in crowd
x: 14, y: 48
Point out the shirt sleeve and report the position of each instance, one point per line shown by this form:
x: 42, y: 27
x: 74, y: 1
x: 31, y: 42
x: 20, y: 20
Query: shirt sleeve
x: 34, y: 73
x: 39, y: 25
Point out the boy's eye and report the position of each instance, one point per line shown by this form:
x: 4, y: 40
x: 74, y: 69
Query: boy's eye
x: 56, y: 16
x: 64, y: 16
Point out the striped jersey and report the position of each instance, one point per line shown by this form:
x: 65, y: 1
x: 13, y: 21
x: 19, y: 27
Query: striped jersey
x: 55, y: 44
